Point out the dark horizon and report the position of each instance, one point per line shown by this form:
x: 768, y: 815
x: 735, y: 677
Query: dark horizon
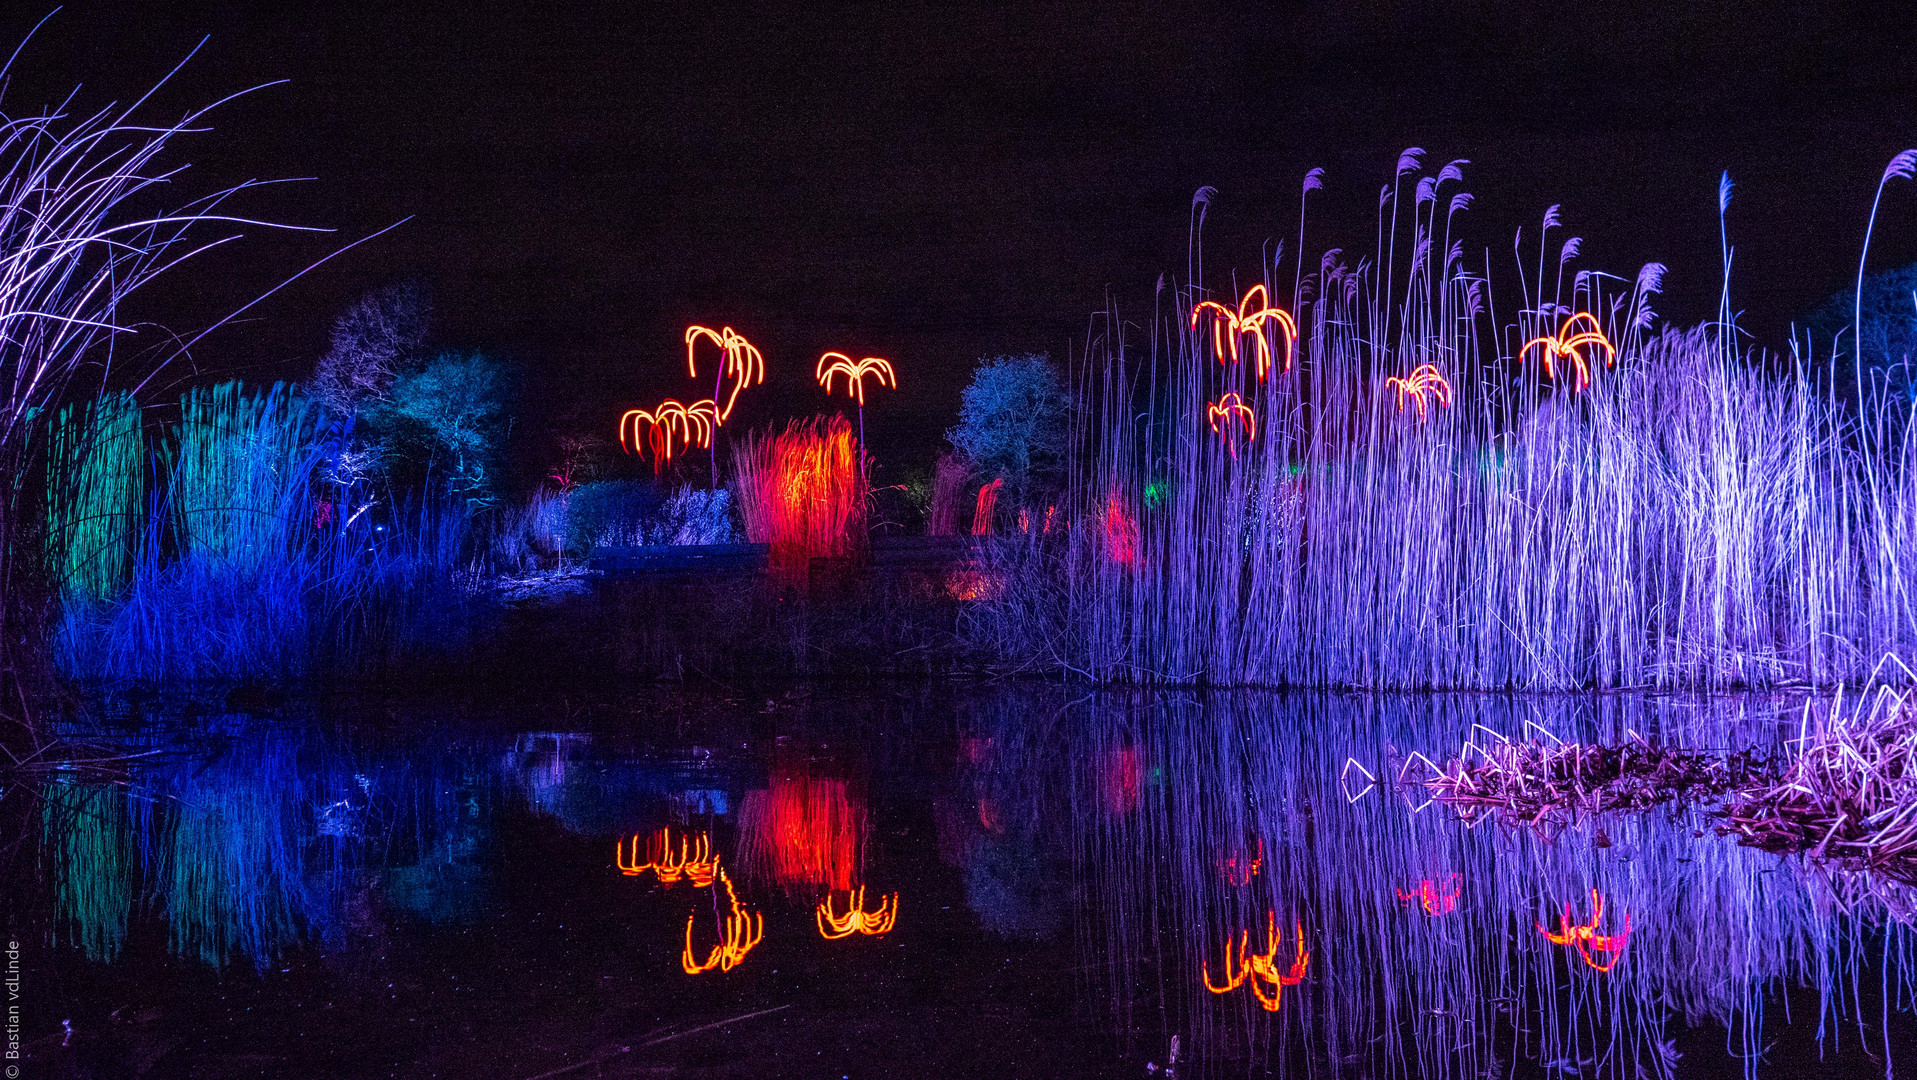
x: 938, y: 187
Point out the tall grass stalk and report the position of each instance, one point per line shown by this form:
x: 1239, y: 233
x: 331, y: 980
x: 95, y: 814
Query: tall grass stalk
x: 1700, y: 516
x: 95, y: 495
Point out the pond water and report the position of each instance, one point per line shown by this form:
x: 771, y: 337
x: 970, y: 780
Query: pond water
x: 1054, y: 884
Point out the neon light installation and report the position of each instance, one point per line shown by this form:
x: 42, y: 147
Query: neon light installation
x: 1586, y: 938
x: 744, y: 364
x: 1236, y: 416
x: 1576, y: 345
x: 1424, y: 379
x: 855, y: 374
x: 856, y: 920
x: 740, y: 934
x: 691, y: 425
x: 1239, y: 870
x: 1435, y: 900
x: 694, y: 859
x: 1260, y: 970
x: 1228, y: 326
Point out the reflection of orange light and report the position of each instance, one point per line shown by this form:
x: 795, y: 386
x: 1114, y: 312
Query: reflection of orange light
x: 690, y: 425
x: 1228, y: 326
x: 1240, y: 870
x: 1574, y: 345
x: 854, y: 374
x: 740, y: 934
x: 1236, y: 417
x: 1586, y: 937
x: 693, y: 860
x: 987, y: 507
x: 743, y: 364
x: 1434, y: 901
x: 1260, y: 970
x: 1424, y: 379
x: 856, y: 920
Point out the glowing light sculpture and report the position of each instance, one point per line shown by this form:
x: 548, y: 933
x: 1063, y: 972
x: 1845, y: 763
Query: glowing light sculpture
x: 744, y: 364
x: 1433, y: 899
x: 1254, y: 311
x: 1585, y: 938
x: 1424, y: 379
x: 1260, y: 970
x: 739, y: 934
x: 856, y: 920
x: 690, y: 425
x: 693, y: 860
x: 1229, y: 416
x: 1574, y: 343
x: 855, y: 374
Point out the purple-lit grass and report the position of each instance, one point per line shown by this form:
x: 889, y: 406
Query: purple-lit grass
x: 1687, y: 519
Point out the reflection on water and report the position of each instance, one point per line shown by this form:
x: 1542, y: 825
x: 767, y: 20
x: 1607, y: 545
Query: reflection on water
x: 1241, y: 872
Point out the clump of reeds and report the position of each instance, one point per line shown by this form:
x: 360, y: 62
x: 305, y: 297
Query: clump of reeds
x: 1546, y: 785
x: 1848, y: 795
x: 95, y: 494
x: 802, y: 491
x: 949, y: 475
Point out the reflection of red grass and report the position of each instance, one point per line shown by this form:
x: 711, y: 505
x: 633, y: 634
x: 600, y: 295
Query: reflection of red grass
x: 802, y: 833
x: 1118, y: 777
x: 802, y: 492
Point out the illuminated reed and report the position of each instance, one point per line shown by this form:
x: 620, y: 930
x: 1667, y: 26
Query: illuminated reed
x: 1576, y: 501
x: 802, y: 491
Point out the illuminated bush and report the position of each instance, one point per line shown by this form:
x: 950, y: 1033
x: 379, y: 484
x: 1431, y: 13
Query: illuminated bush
x: 1013, y: 421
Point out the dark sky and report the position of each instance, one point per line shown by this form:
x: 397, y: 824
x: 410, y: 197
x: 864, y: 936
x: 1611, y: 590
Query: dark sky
x: 933, y: 183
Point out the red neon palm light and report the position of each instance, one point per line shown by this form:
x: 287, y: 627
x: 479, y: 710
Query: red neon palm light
x: 1228, y: 327
x: 740, y: 933
x: 689, y: 425
x: 1229, y: 416
x: 855, y: 374
x: 744, y: 364
x: 1566, y: 343
x: 1585, y: 936
x: 1424, y: 379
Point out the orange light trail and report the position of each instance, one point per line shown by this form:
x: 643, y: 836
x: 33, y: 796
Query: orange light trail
x: 1240, y: 871
x: 1236, y: 416
x: 856, y: 920
x: 1586, y: 938
x: 1260, y: 970
x: 1434, y: 901
x: 740, y: 934
x: 1228, y: 326
x: 1574, y: 345
x: 1424, y: 379
x: 690, y: 424
x: 694, y: 860
x: 855, y: 374
x: 744, y: 364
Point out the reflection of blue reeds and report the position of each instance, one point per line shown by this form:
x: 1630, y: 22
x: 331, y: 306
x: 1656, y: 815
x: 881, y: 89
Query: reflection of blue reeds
x: 1717, y: 930
x: 85, y: 830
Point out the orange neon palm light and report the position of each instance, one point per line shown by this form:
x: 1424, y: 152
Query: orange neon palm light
x: 1260, y: 970
x: 856, y: 920
x: 694, y: 859
x: 1576, y: 345
x: 1424, y: 379
x: 855, y: 374
x: 744, y: 364
x: 1434, y: 899
x: 740, y: 934
x: 691, y: 425
x: 1586, y: 938
x: 1228, y: 327
x: 1230, y: 415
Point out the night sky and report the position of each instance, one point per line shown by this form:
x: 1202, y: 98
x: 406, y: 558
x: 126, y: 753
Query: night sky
x: 938, y: 183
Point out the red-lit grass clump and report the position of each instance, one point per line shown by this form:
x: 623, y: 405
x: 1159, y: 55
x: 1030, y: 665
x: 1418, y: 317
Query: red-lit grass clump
x: 801, y: 491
